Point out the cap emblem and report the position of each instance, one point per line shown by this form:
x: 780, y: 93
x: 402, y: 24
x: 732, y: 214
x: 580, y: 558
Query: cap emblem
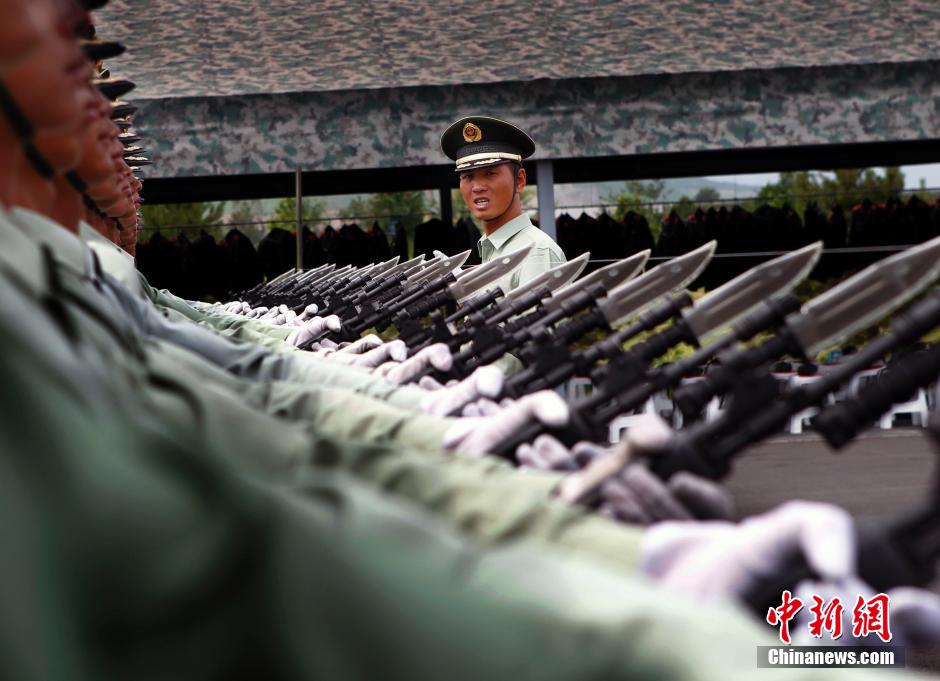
x: 472, y: 133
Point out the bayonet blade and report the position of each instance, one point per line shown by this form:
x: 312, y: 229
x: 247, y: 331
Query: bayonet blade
x: 554, y: 279
x: 609, y: 277
x: 365, y: 269
x: 384, y: 267
x: 628, y: 299
x: 454, y: 262
x: 484, y: 275
x: 321, y: 276
x: 863, y: 299
x: 402, y: 267
x: 735, y: 298
x: 428, y: 269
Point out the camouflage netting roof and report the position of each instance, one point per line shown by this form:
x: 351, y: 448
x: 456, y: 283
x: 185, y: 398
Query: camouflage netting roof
x: 265, y: 86
x: 208, y: 48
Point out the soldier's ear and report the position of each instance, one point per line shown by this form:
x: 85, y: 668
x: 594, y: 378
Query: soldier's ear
x: 520, y: 179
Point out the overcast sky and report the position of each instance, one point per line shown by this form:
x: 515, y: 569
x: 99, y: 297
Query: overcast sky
x: 929, y: 172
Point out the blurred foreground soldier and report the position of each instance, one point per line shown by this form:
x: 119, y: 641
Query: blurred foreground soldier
x: 489, y: 153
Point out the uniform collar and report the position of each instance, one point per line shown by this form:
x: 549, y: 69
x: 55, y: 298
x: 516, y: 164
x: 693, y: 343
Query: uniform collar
x: 67, y: 248
x: 499, y: 238
x: 21, y: 259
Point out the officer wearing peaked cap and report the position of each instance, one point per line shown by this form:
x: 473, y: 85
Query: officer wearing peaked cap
x: 488, y: 153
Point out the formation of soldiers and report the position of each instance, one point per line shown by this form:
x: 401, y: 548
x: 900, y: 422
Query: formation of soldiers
x: 264, y: 489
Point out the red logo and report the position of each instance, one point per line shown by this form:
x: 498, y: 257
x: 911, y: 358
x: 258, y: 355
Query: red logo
x: 471, y: 133
x: 828, y: 618
x: 871, y: 617
x: 782, y: 615
x: 868, y: 617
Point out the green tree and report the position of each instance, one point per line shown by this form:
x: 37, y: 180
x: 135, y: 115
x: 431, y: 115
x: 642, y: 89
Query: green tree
x: 181, y: 214
x: 793, y: 189
x: 244, y: 212
x: 706, y: 195
x: 854, y: 185
x: 845, y: 187
x: 285, y: 213
x: 409, y: 208
x: 643, y: 198
x: 685, y: 206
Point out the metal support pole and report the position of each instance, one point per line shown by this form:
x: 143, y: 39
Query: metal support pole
x: 447, y: 206
x: 299, y: 198
x: 545, y: 178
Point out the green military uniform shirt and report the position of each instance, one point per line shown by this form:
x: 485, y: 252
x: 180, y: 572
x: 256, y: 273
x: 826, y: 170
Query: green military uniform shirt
x: 391, y: 449
x: 515, y: 234
x: 134, y: 551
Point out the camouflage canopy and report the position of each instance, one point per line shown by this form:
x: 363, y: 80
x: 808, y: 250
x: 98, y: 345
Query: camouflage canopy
x: 254, y: 86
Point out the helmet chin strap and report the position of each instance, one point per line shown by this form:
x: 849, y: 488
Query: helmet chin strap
x: 515, y: 184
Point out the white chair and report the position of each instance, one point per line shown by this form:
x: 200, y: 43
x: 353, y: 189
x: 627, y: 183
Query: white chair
x: 662, y: 405
x: 658, y: 404
x: 861, y: 379
x: 795, y: 424
x: 916, y: 407
x: 620, y: 424
x: 578, y: 387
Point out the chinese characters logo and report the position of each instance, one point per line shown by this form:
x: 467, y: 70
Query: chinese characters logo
x: 868, y: 617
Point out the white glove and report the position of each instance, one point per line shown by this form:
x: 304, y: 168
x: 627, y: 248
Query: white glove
x: 485, y: 382
x: 480, y: 435
x: 548, y: 454
x: 484, y: 407
x: 275, y: 312
x: 639, y: 497
x: 370, y: 352
x: 649, y: 434
x: 437, y: 356
x: 357, y: 347
x: 635, y: 495
x: 313, y: 329
x: 715, y: 560
x: 256, y: 312
x: 309, y: 312
x: 327, y: 344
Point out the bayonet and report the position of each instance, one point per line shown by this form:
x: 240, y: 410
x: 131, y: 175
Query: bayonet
x: 718, y: 308
x: 609, y: 277
x: 486, y: 308
x: 553, y: 279
x: 848, y: 307
x: 862, y: 300
x: 551, y: 364
x: 630, y: 298
x: 482, y: 276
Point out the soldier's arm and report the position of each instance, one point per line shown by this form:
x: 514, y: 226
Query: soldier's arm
x: 311, y: 575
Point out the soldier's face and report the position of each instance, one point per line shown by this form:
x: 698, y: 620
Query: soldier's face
x: 488, y: 191
x: 49, y: 84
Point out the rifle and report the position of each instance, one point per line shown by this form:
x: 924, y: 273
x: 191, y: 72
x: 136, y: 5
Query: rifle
x: 491, y: 341
x: 551, y: 363
x: 713, y: 311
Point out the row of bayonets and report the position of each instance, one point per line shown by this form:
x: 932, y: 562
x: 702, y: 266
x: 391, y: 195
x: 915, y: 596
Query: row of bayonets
x: 541, y: 320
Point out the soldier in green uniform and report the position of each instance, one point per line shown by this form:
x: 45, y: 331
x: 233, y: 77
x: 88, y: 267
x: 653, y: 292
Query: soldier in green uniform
x: 488, y: 153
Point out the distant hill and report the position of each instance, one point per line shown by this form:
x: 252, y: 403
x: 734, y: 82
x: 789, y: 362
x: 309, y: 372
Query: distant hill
x: 595, y: 193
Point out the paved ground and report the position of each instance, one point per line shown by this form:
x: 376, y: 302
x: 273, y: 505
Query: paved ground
x: 881, y: 473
